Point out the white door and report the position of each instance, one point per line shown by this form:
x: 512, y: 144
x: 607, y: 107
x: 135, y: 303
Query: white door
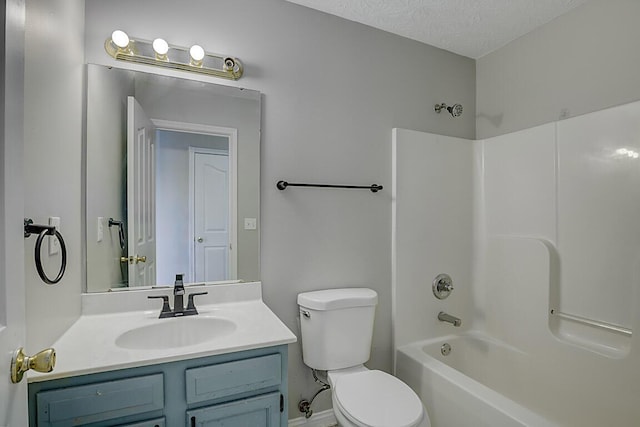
x: 211, y: 217
x: 13, y: 397
x: 141, y: 196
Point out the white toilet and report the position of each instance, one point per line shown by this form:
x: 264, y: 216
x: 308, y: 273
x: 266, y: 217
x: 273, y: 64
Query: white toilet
x: 337, y: 327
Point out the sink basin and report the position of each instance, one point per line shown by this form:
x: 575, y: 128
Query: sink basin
x: 175, y: 332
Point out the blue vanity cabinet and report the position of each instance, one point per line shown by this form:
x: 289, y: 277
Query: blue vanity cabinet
x: 247, y: 388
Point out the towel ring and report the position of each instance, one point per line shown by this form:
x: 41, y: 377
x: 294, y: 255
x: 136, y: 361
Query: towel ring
x: 45, y: 230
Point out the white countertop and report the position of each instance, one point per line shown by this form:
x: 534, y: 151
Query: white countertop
x: 89, y: 345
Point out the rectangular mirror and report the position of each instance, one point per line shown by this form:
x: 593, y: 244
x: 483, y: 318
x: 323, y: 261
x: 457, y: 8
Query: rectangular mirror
x: 172, y: 180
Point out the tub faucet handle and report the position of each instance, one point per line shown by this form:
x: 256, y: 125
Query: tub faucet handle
x: 442, y: 286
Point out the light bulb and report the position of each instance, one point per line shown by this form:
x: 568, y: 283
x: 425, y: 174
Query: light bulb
x: 161, y: 47
x: 120, y: 39
x: 197, y: 53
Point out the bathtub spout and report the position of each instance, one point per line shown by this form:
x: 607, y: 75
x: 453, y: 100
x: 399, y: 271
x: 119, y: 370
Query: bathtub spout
x: 444, y: 317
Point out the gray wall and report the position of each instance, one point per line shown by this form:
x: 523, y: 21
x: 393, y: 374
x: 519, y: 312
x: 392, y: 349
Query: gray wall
x: 581, y: 62
x: 333, y: 90
x: 53, y: 98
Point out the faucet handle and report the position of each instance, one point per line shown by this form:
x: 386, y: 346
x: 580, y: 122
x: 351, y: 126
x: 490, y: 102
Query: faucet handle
x: 442, y: 286
x: 191, y: 305
x: 166, y: 308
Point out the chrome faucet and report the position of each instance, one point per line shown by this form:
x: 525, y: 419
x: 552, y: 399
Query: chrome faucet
x: 178, y: 301
x: 444, y: 317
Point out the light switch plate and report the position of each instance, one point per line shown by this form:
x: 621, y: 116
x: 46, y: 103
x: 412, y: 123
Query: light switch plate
x: 250, y: 223
x: 100, y: 229
x: 54, y: 244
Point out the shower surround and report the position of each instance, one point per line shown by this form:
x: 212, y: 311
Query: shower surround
x: 539, y: 231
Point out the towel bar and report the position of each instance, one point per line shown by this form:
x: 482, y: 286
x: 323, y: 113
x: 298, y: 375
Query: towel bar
x: 281, y: 185
x: 596, y: 323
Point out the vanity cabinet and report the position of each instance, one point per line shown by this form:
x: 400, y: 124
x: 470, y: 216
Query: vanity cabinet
x: 247, y: 388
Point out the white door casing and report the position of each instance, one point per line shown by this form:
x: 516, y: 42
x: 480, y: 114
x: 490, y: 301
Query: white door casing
x: 212, y: 246
x: 141, y: 196
x: 232, y: 135
x: 13, y: 397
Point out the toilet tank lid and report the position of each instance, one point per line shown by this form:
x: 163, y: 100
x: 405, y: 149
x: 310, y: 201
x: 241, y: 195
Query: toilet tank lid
x: 334, y: 299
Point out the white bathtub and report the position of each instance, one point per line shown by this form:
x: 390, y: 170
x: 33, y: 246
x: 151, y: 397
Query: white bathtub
x: 467, y: 388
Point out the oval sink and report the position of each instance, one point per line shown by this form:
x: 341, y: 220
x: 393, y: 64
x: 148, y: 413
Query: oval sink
x: 176, y: 332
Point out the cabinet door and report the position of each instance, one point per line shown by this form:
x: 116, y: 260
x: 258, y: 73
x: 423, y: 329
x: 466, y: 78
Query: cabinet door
x: 260, y: 411
x: 91, y: 403
x: 226, y: 379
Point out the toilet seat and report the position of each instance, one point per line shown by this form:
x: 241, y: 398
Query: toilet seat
x: 375, y: 399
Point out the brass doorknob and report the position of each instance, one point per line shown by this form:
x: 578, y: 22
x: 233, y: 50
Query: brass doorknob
x: 141, y: 259
x: 41, y: 362
x: 124, y: 259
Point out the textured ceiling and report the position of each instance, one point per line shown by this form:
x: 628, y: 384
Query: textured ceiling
x: 470, y: 28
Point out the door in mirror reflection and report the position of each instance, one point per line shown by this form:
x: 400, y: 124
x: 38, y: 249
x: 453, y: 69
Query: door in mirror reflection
x: 211, y: 216
x: 195, y: 203
x: 141, y: 197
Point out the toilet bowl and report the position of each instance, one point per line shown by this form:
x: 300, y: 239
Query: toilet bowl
x: 337, y: 330
x: 368, y: 398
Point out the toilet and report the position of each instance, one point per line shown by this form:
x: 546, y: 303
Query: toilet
x: 337, y: 328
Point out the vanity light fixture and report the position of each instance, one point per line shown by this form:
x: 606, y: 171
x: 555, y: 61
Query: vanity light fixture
x: 158, y: 52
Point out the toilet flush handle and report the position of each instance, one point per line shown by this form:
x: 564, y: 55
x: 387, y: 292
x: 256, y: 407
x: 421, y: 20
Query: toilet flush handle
x: 305, y: 313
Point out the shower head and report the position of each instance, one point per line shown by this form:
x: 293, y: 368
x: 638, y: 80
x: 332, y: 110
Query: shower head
x: 455, y: 110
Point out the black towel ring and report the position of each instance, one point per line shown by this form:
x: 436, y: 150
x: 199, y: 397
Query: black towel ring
x: 46, y: 230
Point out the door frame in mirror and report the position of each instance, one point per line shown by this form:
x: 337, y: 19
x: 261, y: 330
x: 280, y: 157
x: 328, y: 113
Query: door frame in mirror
x: 232, y: 135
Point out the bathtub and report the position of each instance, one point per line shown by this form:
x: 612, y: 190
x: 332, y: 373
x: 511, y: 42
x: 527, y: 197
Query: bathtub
x: 468, y: 387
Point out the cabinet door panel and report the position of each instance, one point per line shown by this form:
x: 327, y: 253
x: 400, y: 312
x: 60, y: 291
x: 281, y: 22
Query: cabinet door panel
x: 91, y: 403
x: 226, y: 379
x: 261, y: 411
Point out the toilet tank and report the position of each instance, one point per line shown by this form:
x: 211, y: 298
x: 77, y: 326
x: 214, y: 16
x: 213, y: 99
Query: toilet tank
x: 337, y: 327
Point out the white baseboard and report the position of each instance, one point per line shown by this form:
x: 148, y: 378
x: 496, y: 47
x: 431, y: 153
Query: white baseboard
x: 319, y: 419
